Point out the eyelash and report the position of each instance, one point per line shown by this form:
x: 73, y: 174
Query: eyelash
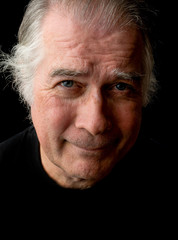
x: 75, y: 89
x: 123, y: 85
x: 67, y: 81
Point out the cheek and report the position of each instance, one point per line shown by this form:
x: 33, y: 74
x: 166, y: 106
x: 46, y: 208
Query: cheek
x: 52, y: 115
x: 129, y: 118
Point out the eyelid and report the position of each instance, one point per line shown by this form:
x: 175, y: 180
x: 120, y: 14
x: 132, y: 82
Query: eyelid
x: 131, y: 82
x: 127, y: 85
x: 124, y: 81
x: 76, y: 84
x: 67, y: 81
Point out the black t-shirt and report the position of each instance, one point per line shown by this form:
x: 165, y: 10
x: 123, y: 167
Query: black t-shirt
x: 138, y: 187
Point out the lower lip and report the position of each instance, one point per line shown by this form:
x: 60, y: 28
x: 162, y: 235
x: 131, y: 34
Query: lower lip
x: 92, y: 150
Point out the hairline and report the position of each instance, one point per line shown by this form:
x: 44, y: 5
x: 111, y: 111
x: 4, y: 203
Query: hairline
x: 26, y: 42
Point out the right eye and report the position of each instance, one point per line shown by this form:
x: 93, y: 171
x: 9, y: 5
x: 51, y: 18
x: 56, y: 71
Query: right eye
x: 67, y: 83
x: 122, y: 86
x: 70, y: 88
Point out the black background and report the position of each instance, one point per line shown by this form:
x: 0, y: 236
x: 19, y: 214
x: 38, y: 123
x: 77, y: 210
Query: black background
x: 158, y: 118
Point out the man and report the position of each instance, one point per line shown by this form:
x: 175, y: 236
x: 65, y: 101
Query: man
x: 84, y: 69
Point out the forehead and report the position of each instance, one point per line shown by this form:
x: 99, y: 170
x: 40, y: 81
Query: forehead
x: 65, y: 37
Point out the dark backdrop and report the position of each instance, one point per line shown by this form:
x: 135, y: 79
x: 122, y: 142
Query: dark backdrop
x: 158, y: 118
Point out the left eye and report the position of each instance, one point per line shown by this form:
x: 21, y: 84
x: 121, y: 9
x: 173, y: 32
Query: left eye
x: 67, y: 83
x: 122, y: 86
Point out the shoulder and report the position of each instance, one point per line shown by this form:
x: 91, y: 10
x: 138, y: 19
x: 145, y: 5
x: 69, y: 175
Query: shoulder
x: 16, y: 145
x: 147, y: 164
x: 150, y: 148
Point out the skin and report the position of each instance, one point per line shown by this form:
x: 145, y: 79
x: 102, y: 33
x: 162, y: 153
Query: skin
x: 88, y: 118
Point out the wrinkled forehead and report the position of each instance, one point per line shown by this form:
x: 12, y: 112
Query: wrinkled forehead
x: 98, y: 16
x: 66, y: 39
x: 61, y: 25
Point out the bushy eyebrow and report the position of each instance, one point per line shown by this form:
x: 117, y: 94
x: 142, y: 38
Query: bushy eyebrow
x: 116, y: 74
x: 133, y: 76
x: 63, y: 72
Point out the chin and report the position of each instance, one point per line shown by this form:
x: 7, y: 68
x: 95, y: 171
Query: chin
x: 86, y: 174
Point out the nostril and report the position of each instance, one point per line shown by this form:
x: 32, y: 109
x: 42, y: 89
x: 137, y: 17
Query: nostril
x: 93, y: 124
x: 109, y: 126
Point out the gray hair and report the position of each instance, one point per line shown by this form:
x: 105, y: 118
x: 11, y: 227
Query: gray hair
x: 27, y: 54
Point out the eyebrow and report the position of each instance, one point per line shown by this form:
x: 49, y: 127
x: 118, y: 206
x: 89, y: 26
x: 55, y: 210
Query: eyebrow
x: 67, y: 73
x: 116, y: 73
x: 133, y: 76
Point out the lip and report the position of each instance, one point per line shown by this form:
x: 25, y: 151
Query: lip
x: 92, y: 149
x: 97, y: 149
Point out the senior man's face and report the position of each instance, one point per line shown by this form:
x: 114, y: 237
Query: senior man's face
x: 87, y: 100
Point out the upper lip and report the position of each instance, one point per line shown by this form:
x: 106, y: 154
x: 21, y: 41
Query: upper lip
x: 93, y: 148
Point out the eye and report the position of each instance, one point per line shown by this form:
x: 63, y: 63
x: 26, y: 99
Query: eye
x: 67, y: 83
x: 122, y: 86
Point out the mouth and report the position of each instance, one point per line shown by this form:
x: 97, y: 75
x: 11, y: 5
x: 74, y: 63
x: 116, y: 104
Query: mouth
x: 94, y: 148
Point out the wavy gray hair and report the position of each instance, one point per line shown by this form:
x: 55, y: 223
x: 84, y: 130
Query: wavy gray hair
x: 27, y: 54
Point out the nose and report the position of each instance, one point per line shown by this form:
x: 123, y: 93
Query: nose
x: 93, y: 115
